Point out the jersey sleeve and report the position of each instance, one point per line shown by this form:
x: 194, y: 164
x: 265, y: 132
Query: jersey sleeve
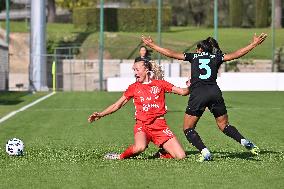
x: 168, y: 87
x: 129, y: 93
x: 188, y: 56
x: 220, y: 59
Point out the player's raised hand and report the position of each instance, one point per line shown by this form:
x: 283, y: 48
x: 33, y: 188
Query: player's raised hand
x: 147, y: 40
x: 95, y: 116
x: 257, y: 40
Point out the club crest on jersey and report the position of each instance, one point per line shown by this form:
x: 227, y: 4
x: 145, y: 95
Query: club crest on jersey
x: 155, y: 90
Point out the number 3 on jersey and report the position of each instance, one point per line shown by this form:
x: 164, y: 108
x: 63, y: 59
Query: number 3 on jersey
x: 204, y: 65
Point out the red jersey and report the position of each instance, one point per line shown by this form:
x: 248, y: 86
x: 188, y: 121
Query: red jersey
x: 148, y: 99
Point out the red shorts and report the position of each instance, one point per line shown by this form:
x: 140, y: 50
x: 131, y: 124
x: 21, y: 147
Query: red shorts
x: 158, y: 132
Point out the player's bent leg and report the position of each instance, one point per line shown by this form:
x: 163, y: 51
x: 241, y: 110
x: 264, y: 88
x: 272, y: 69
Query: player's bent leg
x: 173, y: 147
x: 222, y: 121
x: 227, y: 129
x: 193, y: 137
x: 163, y: 154
x: 231, y: 131
x: 189, y: 121
x: 140, y: 144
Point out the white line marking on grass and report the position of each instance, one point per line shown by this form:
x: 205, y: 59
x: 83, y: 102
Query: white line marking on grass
x: 25, y: 107
x: 63, y: 109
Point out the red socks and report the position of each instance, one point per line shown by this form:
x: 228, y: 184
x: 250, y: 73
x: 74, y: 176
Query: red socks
x: 127, y: 153
x: 165, y: 155
x: 130, y: 153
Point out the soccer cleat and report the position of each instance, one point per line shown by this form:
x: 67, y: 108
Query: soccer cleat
x: 112, y: 156
x: 205, y: 156
x: 252, y: 148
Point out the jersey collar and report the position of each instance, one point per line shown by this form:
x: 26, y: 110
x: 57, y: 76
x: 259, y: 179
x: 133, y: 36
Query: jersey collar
x: 147, y: 82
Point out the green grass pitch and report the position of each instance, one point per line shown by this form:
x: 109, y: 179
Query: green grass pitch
x: 64, y: 151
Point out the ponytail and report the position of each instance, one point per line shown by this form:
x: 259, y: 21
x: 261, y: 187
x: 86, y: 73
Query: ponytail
x: 215, y: 46
x: 205, y: 45
x: 158, y: 73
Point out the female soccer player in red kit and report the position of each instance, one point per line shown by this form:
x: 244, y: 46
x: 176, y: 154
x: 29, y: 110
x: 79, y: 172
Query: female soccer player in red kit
x: 148, y: 93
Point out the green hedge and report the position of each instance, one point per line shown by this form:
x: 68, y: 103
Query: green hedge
x: 122, y: 19
x: 86, y: 18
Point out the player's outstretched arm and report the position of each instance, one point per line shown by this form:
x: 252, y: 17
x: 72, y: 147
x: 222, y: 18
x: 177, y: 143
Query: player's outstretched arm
x: 167, y: 52
x: 109, y: 110
x: 257, y: 40
x: 180, y: 91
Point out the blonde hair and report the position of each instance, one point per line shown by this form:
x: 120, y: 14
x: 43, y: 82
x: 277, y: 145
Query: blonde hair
x: 158, y: 73
x: 155, y: 70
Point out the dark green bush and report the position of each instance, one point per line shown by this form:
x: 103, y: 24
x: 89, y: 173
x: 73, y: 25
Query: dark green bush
x: 86, y: 18
x: 122, y: 19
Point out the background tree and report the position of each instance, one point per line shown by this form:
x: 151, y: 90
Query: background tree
x: 248, y: 13
x: 198, y: 11
x: 2, y: 5
x: 236, y: 12
x: 190, y: 12
x: 51, y: 9
x: 278, y: 13
x: 71, y: 4
x: 261, y: 13
x: 179, y: 17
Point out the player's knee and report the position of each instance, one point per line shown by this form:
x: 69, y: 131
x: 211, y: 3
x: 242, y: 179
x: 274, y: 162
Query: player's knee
x: 139, y: 148
x: 222, y: 124
x: 180, y: 155
x: 188, y: 126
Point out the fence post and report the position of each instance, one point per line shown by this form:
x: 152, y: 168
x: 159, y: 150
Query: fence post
x: 8, y: 22
x: 273, y: 33
x: 85, y: 75
x: 216, y: 20
x: 101, y: 48
x: 159, y: 27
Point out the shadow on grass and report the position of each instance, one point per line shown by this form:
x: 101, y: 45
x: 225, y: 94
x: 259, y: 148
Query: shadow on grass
x: 236, y: 155
x: 187, y: 153
x: 242, y: 155
x: 226, y: 155
x: 12, y: 98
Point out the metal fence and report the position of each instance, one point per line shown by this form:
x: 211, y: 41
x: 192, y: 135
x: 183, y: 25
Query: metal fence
x: 279, y: 59
x: 71, y: 72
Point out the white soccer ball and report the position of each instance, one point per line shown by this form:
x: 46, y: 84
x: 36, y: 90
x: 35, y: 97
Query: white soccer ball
x: 15, y: 147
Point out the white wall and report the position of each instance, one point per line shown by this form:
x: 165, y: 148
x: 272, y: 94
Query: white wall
x: 251, y: 81
x: 226, y: 81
